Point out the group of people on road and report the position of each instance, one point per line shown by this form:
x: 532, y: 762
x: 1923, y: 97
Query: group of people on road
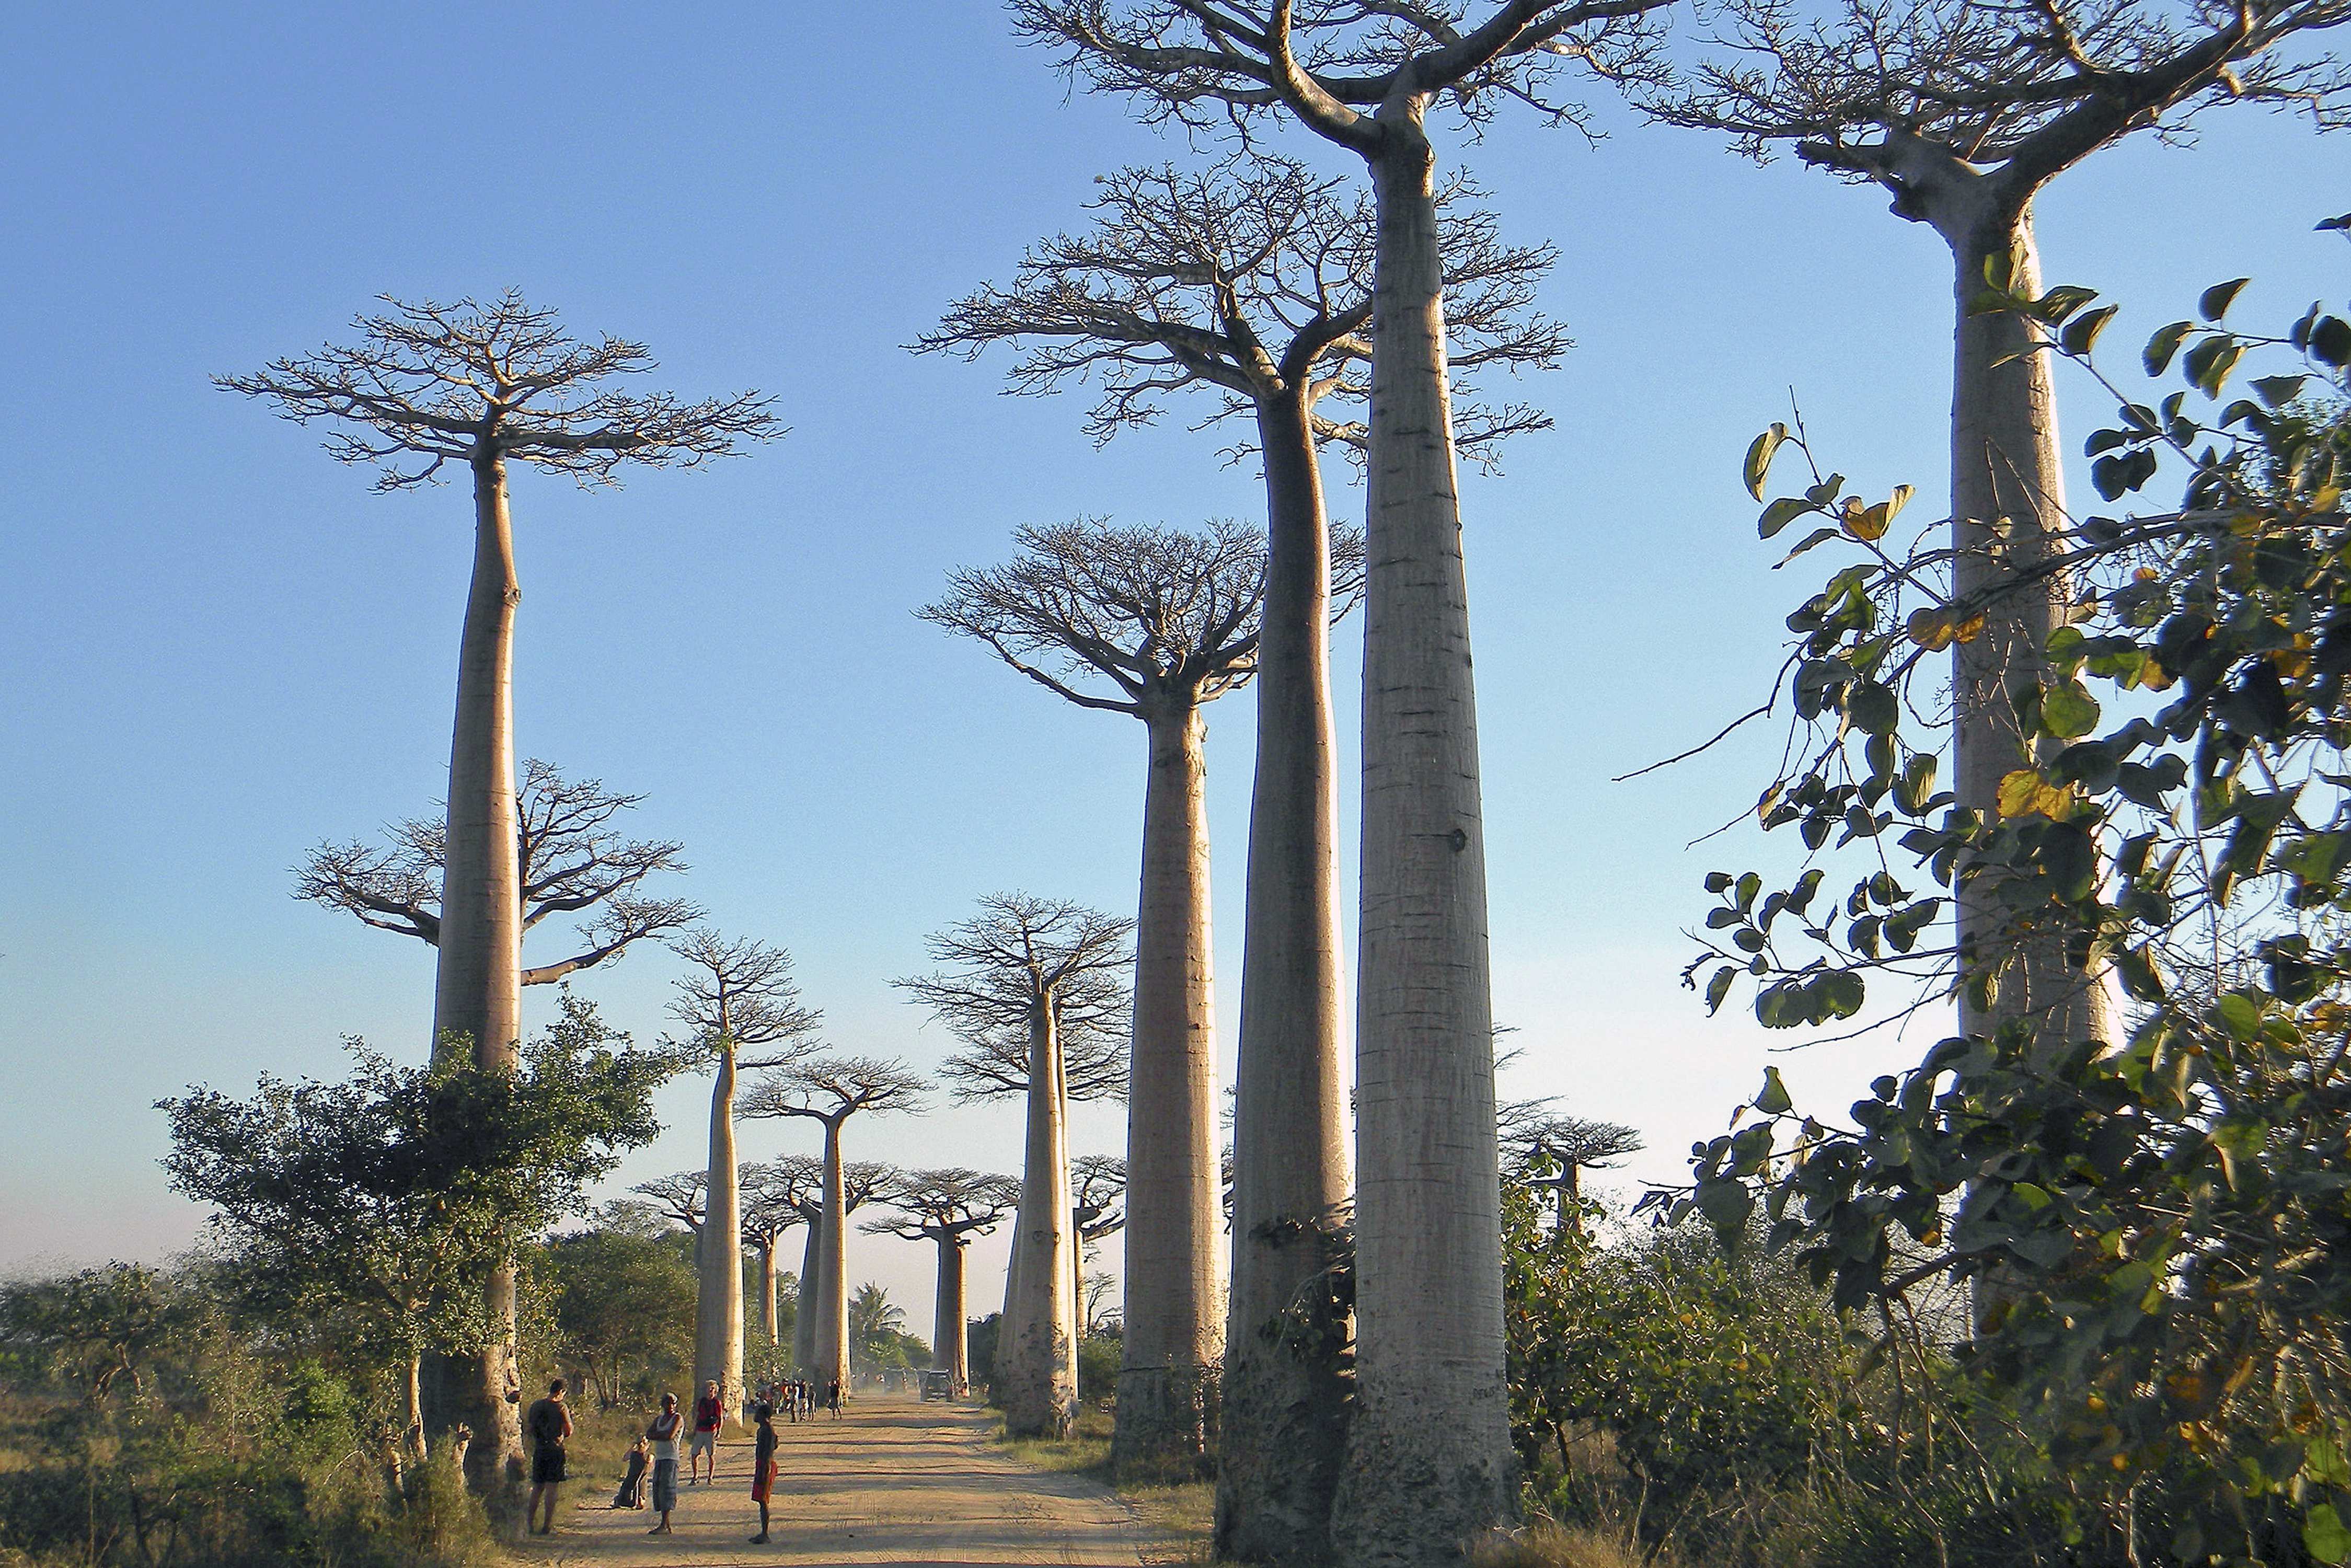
x: 797, y: 1399
x: 547, y: 1427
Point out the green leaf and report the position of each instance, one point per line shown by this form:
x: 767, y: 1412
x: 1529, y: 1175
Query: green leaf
x: 1719, y: 988
x: 2278, y: 391
x: 1812, y: 540
x: 2068, y: 711
x: 2082, y: 332
x: 1873, y: 709
x: 1781, y: 513
x: 2164, y: 344
x: 2062, y: 301
x: 2323, y: 1535
x: 1759, y: 460
x: 1774, y: 1100
x: 1725, y: 1204
x: 2218, y: 298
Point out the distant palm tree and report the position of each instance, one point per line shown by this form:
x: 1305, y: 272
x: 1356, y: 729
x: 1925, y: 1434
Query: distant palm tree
x: 874, y: 1324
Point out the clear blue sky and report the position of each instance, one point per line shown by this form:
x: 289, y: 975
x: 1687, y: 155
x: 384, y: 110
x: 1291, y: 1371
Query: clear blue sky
x: 221, y: 648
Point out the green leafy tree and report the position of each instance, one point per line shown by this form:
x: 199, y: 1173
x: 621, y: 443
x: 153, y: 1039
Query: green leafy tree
x: 96, y: 1326
x: 2157, y: 1226
x: 621, y: 1301
x: 385, y: 1195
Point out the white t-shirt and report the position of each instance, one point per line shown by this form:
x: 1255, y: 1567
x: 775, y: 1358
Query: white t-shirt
x: 666, y: 1448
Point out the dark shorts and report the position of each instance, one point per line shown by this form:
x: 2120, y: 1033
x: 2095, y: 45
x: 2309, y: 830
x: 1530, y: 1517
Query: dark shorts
x: 547, y: 1464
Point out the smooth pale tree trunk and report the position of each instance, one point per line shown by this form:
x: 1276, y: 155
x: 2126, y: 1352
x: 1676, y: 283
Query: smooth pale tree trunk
x: 2005, y: 464
x: 1174, y: 1210
x: 948, y: 1352
x: 1037, y: 1345
x: 767, y: 1318
x: 1429, y: 1464
x: 804, y: 1316
x: 413, y: 1439
x: 477, y: 988
x: 1282, y: 1431
x: 718, y: 1302
x: 830, y: 1347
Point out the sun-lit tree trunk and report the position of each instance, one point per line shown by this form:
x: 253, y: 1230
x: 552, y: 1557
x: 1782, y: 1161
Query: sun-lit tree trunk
x: 804, y: 1315
x: 829, y: 1350
x: 412, y: 1439
x: 2005, y: 465
x: 718, y: 1302
x: 1038, y: 1379
x: 1175, y: 1213
x: 478, y: 991
x: 1282, y: 1428
x: 1429, y: 1463
x: 768, y: 1320
x: 949, y: 1354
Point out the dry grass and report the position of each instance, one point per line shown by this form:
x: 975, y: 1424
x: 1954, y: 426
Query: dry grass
x: 1549, y: 1545
x: 1183, y: 1513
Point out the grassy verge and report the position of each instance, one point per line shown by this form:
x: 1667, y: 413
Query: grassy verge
x: 1182, y: 1512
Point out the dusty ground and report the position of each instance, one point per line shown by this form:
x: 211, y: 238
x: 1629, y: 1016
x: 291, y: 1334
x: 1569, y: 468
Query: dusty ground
x: 894, y: 1480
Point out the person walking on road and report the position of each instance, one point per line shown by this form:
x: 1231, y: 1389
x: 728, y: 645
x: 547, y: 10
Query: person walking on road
x: 548, y: 1423
x: 709, y: 1415
x: 833, y: 1397
x: 763, y: 1468
x: 662, y: 1435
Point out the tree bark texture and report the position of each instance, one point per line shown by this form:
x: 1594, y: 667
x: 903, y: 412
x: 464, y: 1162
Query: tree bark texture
x: 1174, y: 1210
x: 718, y: 1302
x: 804, y: 1316
x: 1037, y: 1345
x: 1429, y: 1464
x: 1283, y: 1423
x: 477, y: 988
x: 2005, y: 465
x: 949, y: 1354
x: 768, y: 1319
x: 829, y: 1348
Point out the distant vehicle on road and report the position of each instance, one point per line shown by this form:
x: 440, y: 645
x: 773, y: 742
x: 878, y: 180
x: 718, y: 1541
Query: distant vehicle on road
x: 938, y: 1385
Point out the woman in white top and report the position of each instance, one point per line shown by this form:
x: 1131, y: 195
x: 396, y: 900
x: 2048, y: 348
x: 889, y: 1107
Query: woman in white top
x: 662, y: 1434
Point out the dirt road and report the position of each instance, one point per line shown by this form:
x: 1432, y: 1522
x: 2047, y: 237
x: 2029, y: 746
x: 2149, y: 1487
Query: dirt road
x: 893, y: 1480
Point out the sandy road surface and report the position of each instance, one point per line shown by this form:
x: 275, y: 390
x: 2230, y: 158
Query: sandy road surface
x: 894, y: 1480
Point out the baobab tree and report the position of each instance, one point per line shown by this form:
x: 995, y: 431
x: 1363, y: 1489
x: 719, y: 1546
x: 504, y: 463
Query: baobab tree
x: 1093, y: 1067
x: 775, y: 1196
x: 571, y: 861
x: 860, y: 1182
x: 1051, y: 967
x: 738, y: 996
x: 948, y: 1208
x: 681, y: 1196
x: 1252, y: 281
x: 830, y: 1091
x: 1429, y: 1396
x: 1153, y: 622
x: 1966, y: 113
x: 1541, y: 1148
x: 487, y: 385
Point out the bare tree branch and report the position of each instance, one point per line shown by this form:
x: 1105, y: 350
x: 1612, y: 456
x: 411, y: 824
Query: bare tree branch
x: 475, y: 382
x: 572, y: 861
x: 744, y: 993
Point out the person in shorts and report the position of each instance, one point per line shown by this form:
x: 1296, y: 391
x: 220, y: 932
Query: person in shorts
x: 763, y: 1468
x: 709, y: 1415
x: 663, y: 1434
x: 548, y: 1423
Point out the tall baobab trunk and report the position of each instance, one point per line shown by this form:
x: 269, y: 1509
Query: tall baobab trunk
x: 2005, y: 465
x: 949, y: 1353
x: 718, y: 1300
x: 767, y: 1318
x: 804, y: 1314
x: 1282, y: 1429
x: 1429, y: 1462
x: 477, y: 990
x: 1037, y: 1378
x: 1175, y: 1211
x: 830, y: 1347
